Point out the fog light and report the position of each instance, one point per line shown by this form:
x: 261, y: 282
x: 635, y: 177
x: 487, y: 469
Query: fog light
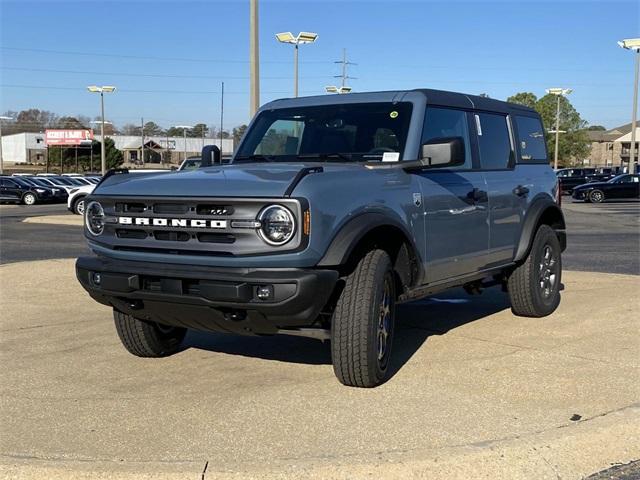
x: 264, y: 292
x: 97, y: 278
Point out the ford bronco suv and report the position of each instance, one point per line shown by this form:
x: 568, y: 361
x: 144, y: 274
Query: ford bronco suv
x: 333, y: 210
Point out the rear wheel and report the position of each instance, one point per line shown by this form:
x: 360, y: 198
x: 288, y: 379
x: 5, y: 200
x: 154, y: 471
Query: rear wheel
x: 29, y: 199
x: 534, y: 286
x: 147, y: 339
x: 363, y: 323
x: 596, y: 196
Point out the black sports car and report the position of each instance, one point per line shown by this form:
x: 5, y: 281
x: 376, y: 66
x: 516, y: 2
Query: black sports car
x: 622, y: 186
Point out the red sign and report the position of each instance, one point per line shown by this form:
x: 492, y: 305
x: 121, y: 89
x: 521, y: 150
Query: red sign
x: 68, y: 137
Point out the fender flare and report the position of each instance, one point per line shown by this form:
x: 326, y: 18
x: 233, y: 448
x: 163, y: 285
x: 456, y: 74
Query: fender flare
x: 353, y: 231
x: 539, y: 206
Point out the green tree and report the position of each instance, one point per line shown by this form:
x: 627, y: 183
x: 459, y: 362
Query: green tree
x: 572, y: 145
x: 199, y: 130
x: 176, y: 132
x: 238, y: 133
x: 527, y: 99
x: 152, y: 129
x: 596, y: 128
x: 70, y: 123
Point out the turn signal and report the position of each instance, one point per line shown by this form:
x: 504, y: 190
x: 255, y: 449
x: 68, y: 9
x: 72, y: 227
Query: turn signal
x: 306, y: 223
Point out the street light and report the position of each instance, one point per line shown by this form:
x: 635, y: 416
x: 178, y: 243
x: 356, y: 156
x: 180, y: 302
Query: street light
x: 302, y: 38
x: 95, y: 122
x: 633, y: 44
x: 184, y: 136
x: 102, y: 90
x: 334, y: 89
x: 1, y: 158
x: 559, y: 92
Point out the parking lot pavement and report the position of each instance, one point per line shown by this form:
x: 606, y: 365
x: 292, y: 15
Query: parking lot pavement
x: 476, y: 392
x: 603, y: 237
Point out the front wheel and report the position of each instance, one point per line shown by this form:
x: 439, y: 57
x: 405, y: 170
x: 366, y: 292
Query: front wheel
x: 596, y: 196
x: 363, y: 321
x: 29, y: 199
x: 78, y: 206
x: 147, y: 339
x: 534, y: 286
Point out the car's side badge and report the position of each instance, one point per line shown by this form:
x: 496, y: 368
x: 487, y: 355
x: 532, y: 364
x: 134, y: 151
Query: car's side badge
x: 417, y: 199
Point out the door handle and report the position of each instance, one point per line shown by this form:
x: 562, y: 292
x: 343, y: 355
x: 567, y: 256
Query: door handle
x: 521, y: 191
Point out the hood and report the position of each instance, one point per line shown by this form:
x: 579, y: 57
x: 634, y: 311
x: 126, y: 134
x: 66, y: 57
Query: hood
x: 243, y: 180
x: 590, y: 185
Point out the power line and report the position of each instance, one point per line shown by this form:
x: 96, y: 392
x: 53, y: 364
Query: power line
x: 345, y: 63
x: 125, y: 90
x: 141, y: 57
x: 148, y: 75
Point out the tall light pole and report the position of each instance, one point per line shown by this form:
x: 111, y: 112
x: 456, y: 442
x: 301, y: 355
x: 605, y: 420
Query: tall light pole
x: 633, y: 44
x: 184, y: 136
x: 559, y: 92
x: 95, y: 122
x: 1, y: 158
x: 254, y: 58
x: 300, y: 39
x: 102, y: 90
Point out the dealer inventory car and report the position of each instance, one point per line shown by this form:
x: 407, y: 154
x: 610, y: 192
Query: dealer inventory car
x: 75, y: 202
x: 333, y: 210
x: 14, y: 189
x: 622, y: 186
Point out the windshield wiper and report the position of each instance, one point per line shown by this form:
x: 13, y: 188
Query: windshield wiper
x: 326, y: 156
x: 256, y: 158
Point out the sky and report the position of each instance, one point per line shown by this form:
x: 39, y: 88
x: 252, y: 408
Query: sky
x: 168, y: 58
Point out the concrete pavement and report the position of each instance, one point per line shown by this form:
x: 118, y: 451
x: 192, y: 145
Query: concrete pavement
x: 477, y: 392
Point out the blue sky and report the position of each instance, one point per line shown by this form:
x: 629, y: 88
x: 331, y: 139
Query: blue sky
x: 167, y: 58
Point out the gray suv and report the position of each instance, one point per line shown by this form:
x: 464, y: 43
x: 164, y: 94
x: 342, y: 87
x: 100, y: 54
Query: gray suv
x: 333, y: 210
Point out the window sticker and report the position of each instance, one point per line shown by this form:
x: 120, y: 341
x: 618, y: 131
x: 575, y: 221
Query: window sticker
x: 394, y: 114
x: 390, y: 156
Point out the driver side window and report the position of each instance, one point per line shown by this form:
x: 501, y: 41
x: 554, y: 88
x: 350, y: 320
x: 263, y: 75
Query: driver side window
x: 445, y: 122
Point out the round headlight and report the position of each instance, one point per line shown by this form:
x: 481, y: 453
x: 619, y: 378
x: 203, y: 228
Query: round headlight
x: 94, y: 218
x: 277, y: 225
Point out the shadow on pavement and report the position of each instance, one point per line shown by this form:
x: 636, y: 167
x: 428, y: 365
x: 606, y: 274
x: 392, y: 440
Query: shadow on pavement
x: 417, y: 321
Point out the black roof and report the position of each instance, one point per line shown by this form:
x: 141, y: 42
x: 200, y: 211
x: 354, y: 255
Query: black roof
x: 463, y: 100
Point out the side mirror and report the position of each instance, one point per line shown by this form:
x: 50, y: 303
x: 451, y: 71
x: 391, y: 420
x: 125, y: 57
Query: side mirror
x: 210, y: 156
x: 439, y: 153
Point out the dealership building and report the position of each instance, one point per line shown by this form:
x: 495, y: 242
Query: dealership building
x: 31, y: 148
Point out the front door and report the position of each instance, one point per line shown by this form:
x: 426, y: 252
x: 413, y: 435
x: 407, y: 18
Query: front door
x: 454, y: 202
x: 10, y: 190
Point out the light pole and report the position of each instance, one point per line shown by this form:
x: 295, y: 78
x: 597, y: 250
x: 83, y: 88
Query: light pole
x: 302, y: 38
x: 184, y: 136
x: 95, y: 122
x: 1, y: 158
x: 633, y: 44
x: 254, y: 58
x: 559, y: 92
x: 334, y: 89
x: 102, y: 90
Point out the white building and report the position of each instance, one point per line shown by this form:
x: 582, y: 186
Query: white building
x: 31, y: 147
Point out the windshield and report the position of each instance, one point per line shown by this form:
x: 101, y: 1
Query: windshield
x: 349, y: 132
x: 619, y: 178
x: 21, y: 182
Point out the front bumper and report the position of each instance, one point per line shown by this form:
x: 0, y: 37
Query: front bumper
x: 579, y: 194
x: 209, y: 299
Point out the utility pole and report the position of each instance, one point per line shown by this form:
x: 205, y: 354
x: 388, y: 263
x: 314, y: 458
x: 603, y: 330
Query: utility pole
x: 1, y: 158
x: 559, y: 92
x: 344, y: 76
x: 254, y: 58
x: 142, y: 139
x: 221, y: 118
x: 633, y: 44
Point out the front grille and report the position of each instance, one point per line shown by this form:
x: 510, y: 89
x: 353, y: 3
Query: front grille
x: 189, y: 226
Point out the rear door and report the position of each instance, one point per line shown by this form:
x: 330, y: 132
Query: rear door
x: 454, y: 202
x: 506, y: 189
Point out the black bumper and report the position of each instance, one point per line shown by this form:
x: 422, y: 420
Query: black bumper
x: 209, y: 299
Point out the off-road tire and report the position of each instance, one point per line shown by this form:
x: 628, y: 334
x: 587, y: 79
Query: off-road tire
x: 596, y: 196
x: 356, y: 328
x: 29, y: 199
x: 525, y: 283
x: 147, y: 339
x: 78, y: 205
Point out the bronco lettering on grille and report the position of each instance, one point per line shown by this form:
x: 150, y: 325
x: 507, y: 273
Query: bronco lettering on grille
x: 172, y: 222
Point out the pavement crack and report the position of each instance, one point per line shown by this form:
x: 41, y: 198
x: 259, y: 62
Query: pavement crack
x: 204, y: 472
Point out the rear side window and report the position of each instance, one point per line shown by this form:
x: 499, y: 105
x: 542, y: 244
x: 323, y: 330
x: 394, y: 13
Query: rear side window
x: 531, y: 139
x: 493, y: 140
x: 444, y: 123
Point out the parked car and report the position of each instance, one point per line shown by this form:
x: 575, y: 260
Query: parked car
x: 75, y: 202
x: 334, y: 209
x: 572, y: 177
x: 59, y: 194
x: 622, y: 186
x: 14, y: 189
